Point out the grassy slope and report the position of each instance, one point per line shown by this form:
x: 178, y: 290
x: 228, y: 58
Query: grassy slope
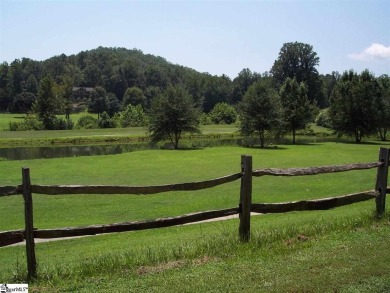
x: 164, y: 244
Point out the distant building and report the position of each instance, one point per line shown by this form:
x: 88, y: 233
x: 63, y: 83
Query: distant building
x: 81, y: 93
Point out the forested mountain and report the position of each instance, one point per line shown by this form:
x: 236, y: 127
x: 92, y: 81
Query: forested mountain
x: 122, y: 84
x: 115, y: 70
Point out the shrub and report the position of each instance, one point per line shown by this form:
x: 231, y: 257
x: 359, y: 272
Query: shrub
x: 105, y: 121
x: 132, y: 116
x: 62, y: 124
x: 205, y: 119
x: 30, y: 123
x: 323, y: 119
x: 87, y: 122
x: 223, y: 113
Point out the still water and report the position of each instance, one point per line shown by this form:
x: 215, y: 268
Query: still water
x: 49, y: 152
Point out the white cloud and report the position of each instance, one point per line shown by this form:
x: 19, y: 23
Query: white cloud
x: 374, y: 52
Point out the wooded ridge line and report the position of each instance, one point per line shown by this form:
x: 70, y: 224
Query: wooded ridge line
x: 112, y: 189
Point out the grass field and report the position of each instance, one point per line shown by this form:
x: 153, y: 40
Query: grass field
x: 89, y: 136
x: 5, y: 119
x: 203, y: 257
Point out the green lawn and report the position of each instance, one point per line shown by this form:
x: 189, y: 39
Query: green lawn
x: 5, y: 119
x: 210, y: 252
x: 89, y: 136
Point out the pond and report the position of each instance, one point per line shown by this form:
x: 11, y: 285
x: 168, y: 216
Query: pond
x: 49, y: 152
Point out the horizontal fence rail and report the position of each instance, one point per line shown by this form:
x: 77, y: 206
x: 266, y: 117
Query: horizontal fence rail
x: 120, y: 189
x: 105, y: 189
x: 16, y: 236
x: 10, y: 190
x: 133, y: 226
x: 314, y: 170
x: 244, y: 209
x: 313, y: 205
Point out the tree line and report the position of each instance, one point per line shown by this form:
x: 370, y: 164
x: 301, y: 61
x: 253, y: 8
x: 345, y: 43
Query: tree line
x: 128, y: 88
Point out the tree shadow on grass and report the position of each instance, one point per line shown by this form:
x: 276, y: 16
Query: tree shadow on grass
x: 266, y: 148
x: 378, y: 142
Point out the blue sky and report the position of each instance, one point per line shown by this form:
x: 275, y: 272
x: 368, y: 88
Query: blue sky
x: 218, y: 37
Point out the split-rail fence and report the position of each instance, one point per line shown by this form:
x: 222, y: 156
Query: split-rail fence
x: 244, y: 209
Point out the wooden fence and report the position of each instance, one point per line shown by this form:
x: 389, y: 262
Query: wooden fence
x: 244, y: 208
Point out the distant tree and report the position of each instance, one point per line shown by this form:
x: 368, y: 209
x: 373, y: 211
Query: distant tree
x: 172, y: 114
x: 31, y: 85
x: 64, y: 92
x: 223, y: 113
x: 133, y: 116
x: 97, y: 103
x: 328, y: 83
x: 46, y: 104
x: 23, y: 102
x: 150, y: 93
x: 217, y: 89
x: 156, y: 76
x: 66, y: 97
x: 117, y: 82
x: 323, y: 119
x: 74, y: 73
x: 113, y: 104
x: 134, y: 96
x: 383, y: 107
x: 260, y: 110
x: 299, y: 61
x: 105, y: 121
x: 92, y: 76
x: 297, y: 110
x: 242, y: 82
x: 5, y: 97
x: 352, y: 110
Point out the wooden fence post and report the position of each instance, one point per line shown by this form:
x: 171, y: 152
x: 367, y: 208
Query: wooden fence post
x: 29, y: 225
x: 245, y: 198
x: 381, y: 180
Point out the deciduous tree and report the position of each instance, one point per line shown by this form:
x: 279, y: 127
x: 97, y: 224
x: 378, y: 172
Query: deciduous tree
x: 260, y: 110
x: 383, y: 107
x: 172, y: 114
x: 352, y: 110
x: 46, y: 104
x: 223, y: 113
x: 297, y: 110
x: 134, y: 96
x: 299, y: 61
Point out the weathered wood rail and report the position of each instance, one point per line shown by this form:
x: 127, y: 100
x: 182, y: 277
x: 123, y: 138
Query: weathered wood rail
x: 244, y: 208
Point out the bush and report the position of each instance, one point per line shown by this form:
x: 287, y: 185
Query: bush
x: 32, y: 123
x: 223, y: 113
x: 323, y: 119
x: 105, y: 121
x: 87, y: 122
x: 132, y: 116
x: 62, y: 124
x: 29, y: 123
x: 205, y: 119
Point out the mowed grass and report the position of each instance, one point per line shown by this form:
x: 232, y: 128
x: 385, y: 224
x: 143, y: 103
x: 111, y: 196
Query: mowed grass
x: 89, y: 136
x: 209, y: 253
x: 156, y: 167
x: 5, y: 119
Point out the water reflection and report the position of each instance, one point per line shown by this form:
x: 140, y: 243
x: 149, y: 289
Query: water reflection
x: 30, y: 153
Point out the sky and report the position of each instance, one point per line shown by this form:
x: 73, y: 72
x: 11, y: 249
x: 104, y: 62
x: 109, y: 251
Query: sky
x: 218, y: 37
